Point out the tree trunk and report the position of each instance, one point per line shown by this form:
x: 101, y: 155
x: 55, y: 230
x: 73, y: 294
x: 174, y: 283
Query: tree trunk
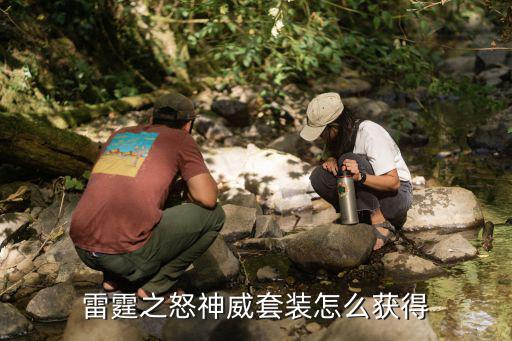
x: 44, y: 148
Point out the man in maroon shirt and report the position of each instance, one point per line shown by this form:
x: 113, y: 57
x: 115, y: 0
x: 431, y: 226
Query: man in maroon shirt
x: 121, y: 227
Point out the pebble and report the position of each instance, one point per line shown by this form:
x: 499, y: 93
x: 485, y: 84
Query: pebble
x: 32, y: 279
x: 313, y: 327
x: 48, y: 268
x: 25, y: 265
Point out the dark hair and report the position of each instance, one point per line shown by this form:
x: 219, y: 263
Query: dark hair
x: 168, y: 117
x: 342, y: 142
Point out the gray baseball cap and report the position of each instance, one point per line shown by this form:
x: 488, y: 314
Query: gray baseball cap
x: 174, y: 107
x: 322, y: 110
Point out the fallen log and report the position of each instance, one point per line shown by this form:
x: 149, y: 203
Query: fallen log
x: 88, y: 112
x: 44, y: 148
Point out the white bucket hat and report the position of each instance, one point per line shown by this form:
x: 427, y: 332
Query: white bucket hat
x: 322, y: 110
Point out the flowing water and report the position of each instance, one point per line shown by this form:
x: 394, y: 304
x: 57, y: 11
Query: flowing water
x: 475, y: 301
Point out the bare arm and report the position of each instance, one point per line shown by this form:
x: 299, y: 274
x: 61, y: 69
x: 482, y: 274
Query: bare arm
x: 202, y: 190
x: 386, y: 182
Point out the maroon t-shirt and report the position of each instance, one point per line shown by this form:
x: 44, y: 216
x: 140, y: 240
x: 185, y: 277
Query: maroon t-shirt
x: 129, y: 185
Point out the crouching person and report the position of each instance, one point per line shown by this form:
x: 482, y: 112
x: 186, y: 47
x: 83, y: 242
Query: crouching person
x: 121, y: 227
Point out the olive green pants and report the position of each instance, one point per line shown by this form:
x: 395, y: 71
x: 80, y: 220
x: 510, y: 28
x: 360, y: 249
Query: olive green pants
x: 183, y: 234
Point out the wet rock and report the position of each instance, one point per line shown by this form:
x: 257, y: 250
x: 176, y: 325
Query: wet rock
x: 403, y: 267
x: 464, y: 65
x: 80, y: 329
x: 11, y: 222
x: 267, y: 274
x: 493, y: 135
x: 270, y: 244
x: 12, y: 322
x: 453, y: 248
x: 444, y: 208
x: 52, y: 304
x: 214, y: 268
x: 280, y: 180
x: 495, y: 76
x: 240, y: 197
x: 48, y: 217
x: 235, y: 112
x: 267, y: 226
x: 490, y: 59
x: 239, y: 222
x: 332, y: 246
x: 390, y: 329
x: 366, y: 108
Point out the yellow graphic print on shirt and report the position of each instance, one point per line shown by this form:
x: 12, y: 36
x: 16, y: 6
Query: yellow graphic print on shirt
x: 125, y: 154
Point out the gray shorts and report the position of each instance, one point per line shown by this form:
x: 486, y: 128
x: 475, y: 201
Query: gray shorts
x: 394, y: 205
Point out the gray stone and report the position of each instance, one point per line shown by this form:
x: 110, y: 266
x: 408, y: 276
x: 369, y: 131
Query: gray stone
x: 488, y: 59
x: 48, y: 217
x: 494, y: 76
x: 390, y: 329
x: 213, y: 268
x: 367, y: 108
x: 240, y: 197
x: 458, y: 65
x: 267, y: 226
x: 235, y: 112
x: 53, y: 303
x: 267, y: 274
x: 452, y: 249
x: 80, y: 329
x: 280, y: 180
x: 239, y: 222
x: 444, y: 208
x: 334, y: 247
x: 404, y: 267
x: 12, y: 322
x: 493, y: 135
x: 11, y: 222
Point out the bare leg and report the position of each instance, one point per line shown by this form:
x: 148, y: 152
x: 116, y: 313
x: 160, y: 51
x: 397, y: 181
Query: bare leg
x: 378, y: 218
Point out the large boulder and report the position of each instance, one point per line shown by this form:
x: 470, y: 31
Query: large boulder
x: 463, y: 65
x: 235, y: 112
x: 389, y: 329
x: 48, y: 218
x: 453, y: 248
x: 444, y: 208
x: 80, y: 329
x: 68, y: 265
x: 487, y: 59
x: 404, y: 267
x: 495, y: 76
x: 493, y: 136
x: 331, y: 246
x: 280, y: 180
x: 52, y: 304
x: 367, y: 108
x: 239, y: 222
x: 213, y: 268
x: 12, y: 322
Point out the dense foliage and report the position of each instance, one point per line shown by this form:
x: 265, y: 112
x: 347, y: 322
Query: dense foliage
x: 65, y: 51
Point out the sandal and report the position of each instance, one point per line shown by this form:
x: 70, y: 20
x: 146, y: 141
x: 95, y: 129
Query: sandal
x: 385, y: 238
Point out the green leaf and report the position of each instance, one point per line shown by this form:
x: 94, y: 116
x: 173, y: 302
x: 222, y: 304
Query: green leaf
x: 376, y: 22
x: 509, y: 130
